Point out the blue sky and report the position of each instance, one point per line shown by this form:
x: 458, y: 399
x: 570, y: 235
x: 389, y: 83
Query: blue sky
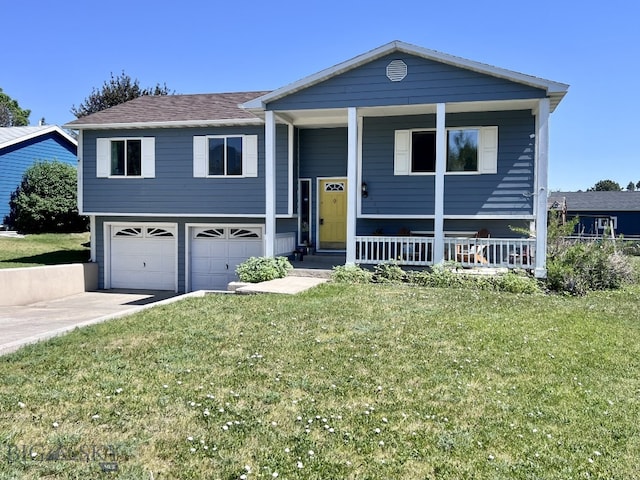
x: 55, y: 53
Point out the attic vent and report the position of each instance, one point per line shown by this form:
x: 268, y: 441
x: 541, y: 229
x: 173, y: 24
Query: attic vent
x: 396, y: 70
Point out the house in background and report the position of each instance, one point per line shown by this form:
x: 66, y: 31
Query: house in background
x: 401, y: 153
x: 597, y: 211
x: 21, y: 147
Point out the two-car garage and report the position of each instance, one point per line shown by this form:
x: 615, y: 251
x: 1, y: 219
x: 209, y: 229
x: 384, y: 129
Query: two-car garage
x: 145, y: 255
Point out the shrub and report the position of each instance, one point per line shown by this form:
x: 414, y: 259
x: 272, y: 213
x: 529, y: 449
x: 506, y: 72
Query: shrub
x: 46, y: 200
x: 388, y: 273
x: 351, y: 274
x: 262, y: 269
x: 580, y: 267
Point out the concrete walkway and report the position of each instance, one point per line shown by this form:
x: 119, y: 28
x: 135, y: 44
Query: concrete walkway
x: 288, y: 285
x: 25, y: 324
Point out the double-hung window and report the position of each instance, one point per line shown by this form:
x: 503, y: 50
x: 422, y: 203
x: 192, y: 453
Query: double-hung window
x: 225, y: 156
x: 125, y: 157
x: 469, y: 150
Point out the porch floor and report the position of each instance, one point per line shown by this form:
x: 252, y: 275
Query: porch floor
x: 318, y: 265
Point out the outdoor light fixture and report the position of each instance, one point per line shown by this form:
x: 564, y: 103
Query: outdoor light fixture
x: 365, y: 190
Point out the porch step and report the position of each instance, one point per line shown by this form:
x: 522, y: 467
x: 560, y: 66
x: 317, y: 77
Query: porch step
x: 310, y: 272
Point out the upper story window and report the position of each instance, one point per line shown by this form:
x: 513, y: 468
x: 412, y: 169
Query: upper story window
x: 125, y: 157
x: 469, y: 150
x: 225, y: 156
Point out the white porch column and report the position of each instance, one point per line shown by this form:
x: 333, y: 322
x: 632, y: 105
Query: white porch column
x: 270, y: 184
x: 352, y: 183
x: 441, y: 165
x: 542, y: 163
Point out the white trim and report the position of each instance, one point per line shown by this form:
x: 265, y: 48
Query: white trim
x: 270, y: 184
x: 35, y: 132
x: 352, y: 184
x: 542, y: 162
x: 551, y: 87
x: 92, y: 239
x: 400, y: 216
x: 200, y: 157
x: 290, y: 175
x: 187, y: 242
x: 447, y: 217
x: 103, y: 157
x: 166, y: 124
x: 180, y: 215
x: 441, y: 167
x: 106, y: 240
x: 80, y: 173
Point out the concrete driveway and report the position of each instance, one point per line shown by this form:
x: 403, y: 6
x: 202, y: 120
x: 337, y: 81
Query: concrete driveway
x: 21, y: 325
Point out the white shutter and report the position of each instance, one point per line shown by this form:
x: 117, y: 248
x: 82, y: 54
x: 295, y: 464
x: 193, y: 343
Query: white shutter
x: 402, y: 151
x: 149, y: 157
x: 250, y: 156
x: 103, y: 157
x: 200, y: 156
x: 488, y: 154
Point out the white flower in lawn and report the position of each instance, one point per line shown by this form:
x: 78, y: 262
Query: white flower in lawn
x: 179, y: 382
x: 247, y: 468
x: 34, y: 454
x: 22, y: 405
x: 190, y: 439
x: 597, y: 453
x: 299, y: 464
x: 243, y: 477
x: 377, y: 430
x: 193, y: 404
x: 379, y: 388
x: 286, y: 450
x: 225, y: 427
x: 590, y: 460
x: 165, y: 386
x: 96, y: 416
x: 331, y: 430
x: 381, y: 443
x: 311, y: 453
x: 192, y: 450
x: 299, y: 418
x: 274, y: 424
x: 274, y: 474
x: 384, y: 419
x: 55, y: 424
x: 118, y: 390
x: 491, y: 457
x: 221, y: 410
x: 206, y: 412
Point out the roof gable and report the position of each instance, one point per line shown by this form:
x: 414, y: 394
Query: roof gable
x: 554, y: 90
x: 14, y: 135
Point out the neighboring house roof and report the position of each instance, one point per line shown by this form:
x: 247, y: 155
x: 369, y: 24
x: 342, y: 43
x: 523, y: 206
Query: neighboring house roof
x: 556, y: 91
x: 173, y: 110
x: 601, y: 201
x: 13, y: 135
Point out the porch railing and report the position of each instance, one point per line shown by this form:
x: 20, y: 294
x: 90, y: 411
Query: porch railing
x: 468, y: 252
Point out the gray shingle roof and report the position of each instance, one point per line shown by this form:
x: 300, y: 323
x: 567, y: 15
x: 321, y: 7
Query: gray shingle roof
x: 598, y: 201
x: 173, y: 109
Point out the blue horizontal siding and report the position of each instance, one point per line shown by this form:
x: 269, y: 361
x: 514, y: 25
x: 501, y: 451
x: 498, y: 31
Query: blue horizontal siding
x: 174, y: 190
x: 509, y: 191
x: 504, y: 193
x: 628, y: 223
x: 390, y: 194
x: 427, y: 81
x: 16, y: 159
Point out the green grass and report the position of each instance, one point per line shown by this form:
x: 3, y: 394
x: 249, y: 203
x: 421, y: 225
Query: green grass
x: 367, y: 382
x: 44, y: 249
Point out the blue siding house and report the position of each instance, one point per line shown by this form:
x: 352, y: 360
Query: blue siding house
x: 600, y: 213
x: 401, y: 153
x: 21, y: 147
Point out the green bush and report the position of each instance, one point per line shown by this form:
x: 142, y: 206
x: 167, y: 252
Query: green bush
x: 262, y: 269
x: 577, y: 268
x: 46, y: 200
x: 388, y: 273
x: 351, y: 274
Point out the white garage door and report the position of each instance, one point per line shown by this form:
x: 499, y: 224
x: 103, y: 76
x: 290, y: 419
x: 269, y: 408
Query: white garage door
x: 143, y: 256
x: 217, y: 251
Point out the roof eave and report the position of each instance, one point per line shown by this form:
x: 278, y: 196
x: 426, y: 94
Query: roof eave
x: 38, y: 133
x: 166, y: 124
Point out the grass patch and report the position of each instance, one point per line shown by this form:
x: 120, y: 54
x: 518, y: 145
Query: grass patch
x: 343, y: 381
x: 44, y: 249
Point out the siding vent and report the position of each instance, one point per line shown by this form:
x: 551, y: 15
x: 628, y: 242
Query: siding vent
x: 396, y: 70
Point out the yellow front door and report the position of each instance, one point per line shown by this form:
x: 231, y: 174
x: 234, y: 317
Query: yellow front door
x: 333, y: 214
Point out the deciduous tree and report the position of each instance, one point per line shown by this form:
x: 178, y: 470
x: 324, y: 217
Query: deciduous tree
x: 11, y: 115
x: 605, y: 186
x: 115, y: 91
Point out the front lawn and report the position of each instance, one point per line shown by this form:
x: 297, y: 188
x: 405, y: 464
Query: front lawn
x: 44, y: 249
x: 370, y: 381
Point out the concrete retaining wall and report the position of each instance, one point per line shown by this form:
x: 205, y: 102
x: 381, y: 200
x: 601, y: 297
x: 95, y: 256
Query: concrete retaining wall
x: 22, y: 286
